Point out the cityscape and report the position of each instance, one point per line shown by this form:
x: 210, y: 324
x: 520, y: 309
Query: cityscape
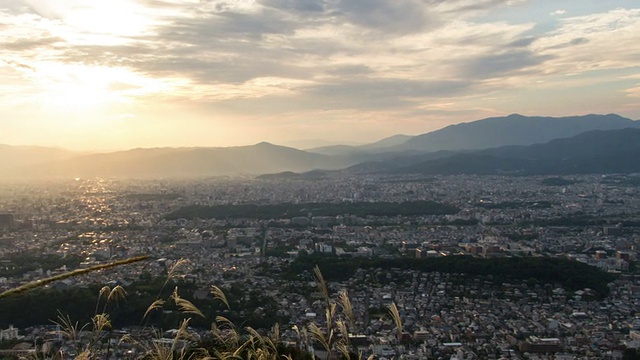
x: 584, y: 219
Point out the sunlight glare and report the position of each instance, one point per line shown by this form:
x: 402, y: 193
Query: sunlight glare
x: 78, y: 88
x: 113, y: 17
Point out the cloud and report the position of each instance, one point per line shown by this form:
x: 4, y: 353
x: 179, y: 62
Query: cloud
x: 593, y: 42
x: 472, y: 6
x: 296, y: 57
x: 24, y: 44
x: 18, y: 65
x: 313, y: 6
x: 559, y: 12
x: 502, y: 65
x: 349, y: 71
x: 382, y: 16
x: 523, y: 42
x: 378, y: 89
x: 633, y: 91
x: 234, y: 42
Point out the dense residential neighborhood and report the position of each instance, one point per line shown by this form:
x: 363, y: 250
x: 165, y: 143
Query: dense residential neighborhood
x: 53, y: 227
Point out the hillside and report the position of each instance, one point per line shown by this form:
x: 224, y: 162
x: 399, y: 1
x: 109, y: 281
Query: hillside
x: 486, y: 133
x: 512, y: 130
x: 613, y: 151
x: 18, y: 156
x: 187, y: 162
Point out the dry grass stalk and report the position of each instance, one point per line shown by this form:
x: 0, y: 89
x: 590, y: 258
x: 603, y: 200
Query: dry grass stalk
x: 224, y: 321
x: 104, y: 293
x: 157, y: 350
x: 182, y: 333
x: 117, y: 293
x: 344, y: 332
x: 395, y: 314
x: 172, y: 273
x: 230, y: 344
x: 101, y: 322
x: 322, y: 284
x: 347, y: 308
x: 224, y: 331
x: 255, y: 335
x: 68, y: 329
x: 185, y: 305
x: 158, y: 304
x: 330, y: 313
x: 275, y: 333
x: 219, y: 294
x: 42, y: 282
x: 318, y: 334
x: 344, y: 350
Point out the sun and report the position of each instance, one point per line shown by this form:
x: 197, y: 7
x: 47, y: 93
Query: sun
x: 91, y: 89
x: 84, y: 89
x: 80, y: 96
x: 75, y: 88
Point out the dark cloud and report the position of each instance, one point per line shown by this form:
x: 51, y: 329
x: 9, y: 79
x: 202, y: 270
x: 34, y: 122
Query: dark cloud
x: 524, y: 42
x: 396, y: 17
x: 227, y: 26
x: 578, y: 41
x: 572, y: 42
x: 504, y: 64
x: 489, y: 38
x: 312, y: 6
x: 465, y: 6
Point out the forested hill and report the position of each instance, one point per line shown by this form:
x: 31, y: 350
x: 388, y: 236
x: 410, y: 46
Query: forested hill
x: 571, y: 275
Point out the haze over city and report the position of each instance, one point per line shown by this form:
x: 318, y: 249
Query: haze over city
x: 121, y: 74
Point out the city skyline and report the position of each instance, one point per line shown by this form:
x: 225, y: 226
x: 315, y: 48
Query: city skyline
x: 148, y: 73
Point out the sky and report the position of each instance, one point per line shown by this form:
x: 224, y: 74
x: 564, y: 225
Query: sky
x: 120, y: 74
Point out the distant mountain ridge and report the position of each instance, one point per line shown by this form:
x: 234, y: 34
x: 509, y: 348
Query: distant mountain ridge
x: 514, y: 129
x: 386, y: 143
x: 511, y: 144
x: 593, y: 152
x: 186, y: 162
x: 17, y: 156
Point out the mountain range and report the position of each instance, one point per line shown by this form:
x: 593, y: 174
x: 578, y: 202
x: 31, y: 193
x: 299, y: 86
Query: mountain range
x: 514, y: 144
x: 492, y: 132
x: 20, y: 156
x: 598, y: 151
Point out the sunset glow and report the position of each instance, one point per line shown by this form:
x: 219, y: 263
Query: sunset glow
x: 141, y: 73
